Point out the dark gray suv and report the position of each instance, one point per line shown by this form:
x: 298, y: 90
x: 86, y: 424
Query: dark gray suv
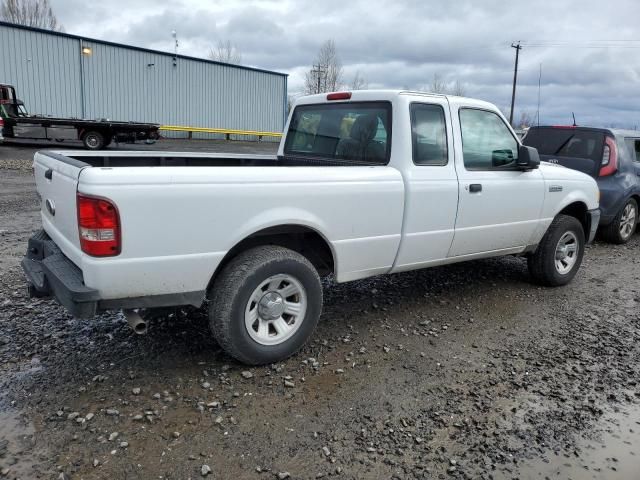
x: 611, y: 156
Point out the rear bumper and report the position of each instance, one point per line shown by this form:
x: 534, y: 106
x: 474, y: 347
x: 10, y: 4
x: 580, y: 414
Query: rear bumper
x: 594, y: 221
x: 51, y: 274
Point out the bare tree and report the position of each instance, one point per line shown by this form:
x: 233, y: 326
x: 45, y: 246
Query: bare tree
x: 526, y: 119
x: 32, y: 13
x: 226, y: 52
x: 458, y: 89
x: 326, y: 75
x: 437, y: 84
x: 359, y: 82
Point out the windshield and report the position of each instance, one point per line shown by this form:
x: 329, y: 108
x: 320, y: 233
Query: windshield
x: 358, y: 132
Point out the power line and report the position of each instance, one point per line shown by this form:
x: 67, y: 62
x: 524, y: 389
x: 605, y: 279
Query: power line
x: 622, y: 44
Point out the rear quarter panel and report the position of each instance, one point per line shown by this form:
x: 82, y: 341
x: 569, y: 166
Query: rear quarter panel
x: 179, y: 222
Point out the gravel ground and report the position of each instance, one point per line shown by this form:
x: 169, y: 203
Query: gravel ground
x: 466, y: 371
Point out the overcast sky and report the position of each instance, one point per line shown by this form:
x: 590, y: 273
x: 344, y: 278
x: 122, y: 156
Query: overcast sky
x: 403, y: 43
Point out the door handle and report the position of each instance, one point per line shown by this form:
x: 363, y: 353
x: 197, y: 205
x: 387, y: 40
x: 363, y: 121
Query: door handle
x: 475, y: 188
x: 48, y: 173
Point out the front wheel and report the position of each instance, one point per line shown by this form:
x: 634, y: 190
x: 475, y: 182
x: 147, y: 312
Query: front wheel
x: 265, y: 304
x: 559, y: 254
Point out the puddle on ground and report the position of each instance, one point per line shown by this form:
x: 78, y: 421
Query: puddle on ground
x: 614, y: 454
x: 16, y: 446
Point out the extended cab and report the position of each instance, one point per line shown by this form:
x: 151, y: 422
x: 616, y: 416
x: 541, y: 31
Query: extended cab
x: 364, y: 183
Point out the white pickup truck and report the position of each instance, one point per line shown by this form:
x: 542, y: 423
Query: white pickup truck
x: 364, y: 183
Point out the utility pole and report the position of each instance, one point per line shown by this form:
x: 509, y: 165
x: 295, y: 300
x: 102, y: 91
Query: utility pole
x: 317, y: 70
x: 515, y: 78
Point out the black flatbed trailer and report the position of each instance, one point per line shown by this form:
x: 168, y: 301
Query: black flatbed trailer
x: 16, y: 123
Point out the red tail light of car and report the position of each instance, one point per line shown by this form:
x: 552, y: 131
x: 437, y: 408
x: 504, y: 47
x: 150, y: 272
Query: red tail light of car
x: 99, y: 226
x: 609, y: 164
x: 339, y: 96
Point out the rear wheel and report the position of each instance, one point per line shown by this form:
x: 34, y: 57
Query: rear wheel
x: 265, y: 304
x: 93, y: 140
x: 624, y: 224
x: 559, y: 254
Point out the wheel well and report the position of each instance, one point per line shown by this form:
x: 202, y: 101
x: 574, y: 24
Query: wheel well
x: 578, y: 210
x: 301, y: 239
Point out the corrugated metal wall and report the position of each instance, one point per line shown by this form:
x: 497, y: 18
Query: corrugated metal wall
x: 118, y: 82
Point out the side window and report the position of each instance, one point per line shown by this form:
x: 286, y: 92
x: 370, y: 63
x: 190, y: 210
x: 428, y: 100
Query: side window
x: 428, y: 134
x: 487, y: 142
x: 634, y: 148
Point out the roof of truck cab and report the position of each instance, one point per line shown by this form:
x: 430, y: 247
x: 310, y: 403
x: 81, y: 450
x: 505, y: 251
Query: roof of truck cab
x: 389, y: 95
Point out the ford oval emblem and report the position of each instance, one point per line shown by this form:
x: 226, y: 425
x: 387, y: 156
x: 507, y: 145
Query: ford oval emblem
x: 51, y: 207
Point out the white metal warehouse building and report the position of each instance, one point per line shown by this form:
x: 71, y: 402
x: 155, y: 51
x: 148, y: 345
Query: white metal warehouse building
x: 71, y: 76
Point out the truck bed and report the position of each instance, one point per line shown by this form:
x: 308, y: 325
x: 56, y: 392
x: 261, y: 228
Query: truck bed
x: 165, y: 198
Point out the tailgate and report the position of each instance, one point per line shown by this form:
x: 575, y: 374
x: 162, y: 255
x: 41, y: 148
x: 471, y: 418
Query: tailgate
x: 57, y: 183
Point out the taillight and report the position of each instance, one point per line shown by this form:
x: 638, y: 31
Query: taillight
x: 1, y: 122
x: 339, y: 96
x: 99, y: 226
x: 609, y: 163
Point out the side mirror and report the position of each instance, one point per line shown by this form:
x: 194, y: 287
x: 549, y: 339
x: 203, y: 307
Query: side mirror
x: 528, y: 158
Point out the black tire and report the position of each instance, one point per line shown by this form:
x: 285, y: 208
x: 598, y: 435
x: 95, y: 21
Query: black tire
x: 542, y: 263
x: 233, y: 288
x: 93, y: 140
x: 612, y: 232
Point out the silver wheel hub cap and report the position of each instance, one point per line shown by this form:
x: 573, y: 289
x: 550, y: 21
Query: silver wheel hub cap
x: 270, y: 306
x: 627, y: 221
x: 275, y: 310
x: 566, y: 253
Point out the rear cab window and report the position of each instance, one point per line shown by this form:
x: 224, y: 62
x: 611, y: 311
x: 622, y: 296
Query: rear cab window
x: 352, y: 132
x: 428, y: 134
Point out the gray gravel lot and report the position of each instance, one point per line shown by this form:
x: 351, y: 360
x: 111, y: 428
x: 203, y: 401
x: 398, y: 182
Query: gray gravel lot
x: 467, y: 371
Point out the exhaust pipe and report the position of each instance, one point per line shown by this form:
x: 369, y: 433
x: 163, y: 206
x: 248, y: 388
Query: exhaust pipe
x: 135, y: 321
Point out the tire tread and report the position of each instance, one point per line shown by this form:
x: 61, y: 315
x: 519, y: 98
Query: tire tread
x: 538, y: 262
x: 228, y: 283
x: 611, y: 232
